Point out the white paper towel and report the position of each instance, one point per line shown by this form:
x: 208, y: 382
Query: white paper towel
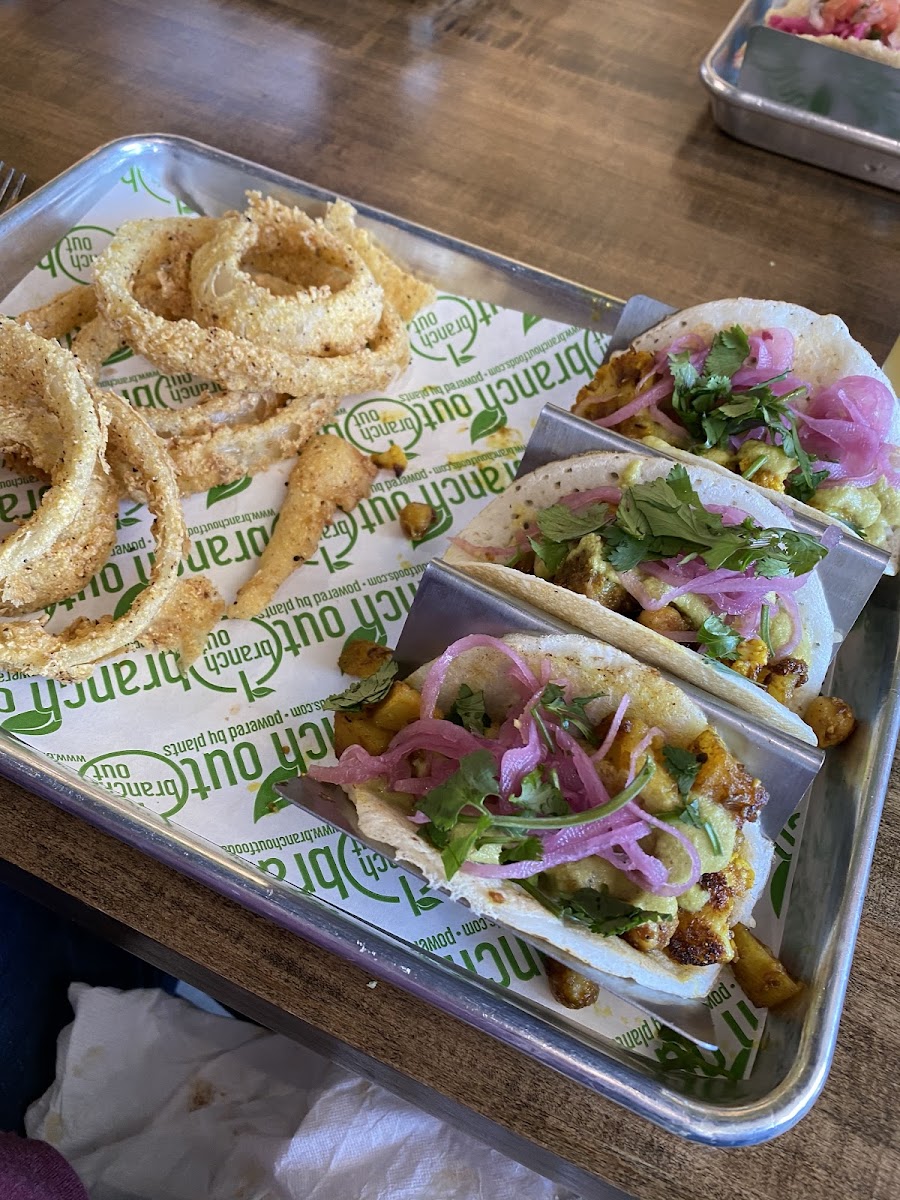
x: 155, y: 1099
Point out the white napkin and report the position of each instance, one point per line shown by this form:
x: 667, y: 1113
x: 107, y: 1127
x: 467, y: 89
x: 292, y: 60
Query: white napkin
x: 156, y: 1099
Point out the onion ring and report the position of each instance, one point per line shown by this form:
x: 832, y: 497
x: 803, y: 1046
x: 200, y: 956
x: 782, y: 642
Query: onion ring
x: 138, y: 458
x: 325, y: 300
x: 30, y: 369
x: 66, y: 311
x: 403, y: 291
x: 234, y: 362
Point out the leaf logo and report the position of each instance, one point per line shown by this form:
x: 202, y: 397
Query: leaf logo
x: 32, y: 723
x: 529, y: 320
x: 267, y: 799
x: 487, y: 422
x: 226, y: 490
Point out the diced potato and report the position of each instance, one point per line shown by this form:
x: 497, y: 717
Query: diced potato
x: 400, y: 706
x: 760, y: 974
x: 362, y: 658
x: 392, y: 459
x: 358, y: 729
x: 831, y: 718
x: 416, y: 519
x: 568, y: 987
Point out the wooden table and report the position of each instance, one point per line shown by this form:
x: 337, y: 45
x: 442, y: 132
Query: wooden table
x: 575, y: 137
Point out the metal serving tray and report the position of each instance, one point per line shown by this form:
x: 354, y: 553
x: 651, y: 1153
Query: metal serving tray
x: 836, y: 850
x: 749, y: 110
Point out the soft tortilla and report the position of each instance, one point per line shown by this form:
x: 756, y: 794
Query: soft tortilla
x: 497, y: 524
x: 824, y: 352
x: 864, y: 47
x: 590, y: 667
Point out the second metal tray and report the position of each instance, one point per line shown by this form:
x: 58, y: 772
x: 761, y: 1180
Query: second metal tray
x: 789, y: 129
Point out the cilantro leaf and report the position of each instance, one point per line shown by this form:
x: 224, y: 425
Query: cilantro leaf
x: 729, y: 350
x: 551, y: 555
x: 665, y: 518
x: 683, y: 767
x: 364, y: 691
x: 712, y: 412
x: 803, y: 488
x: 468, y: 710
x: 461, y: 842
x: 600, y: 911
x: 558, y: 523
x: 470, y: 784
x: 570, y: 713
x: 540, y: 797
x: 720, y: 639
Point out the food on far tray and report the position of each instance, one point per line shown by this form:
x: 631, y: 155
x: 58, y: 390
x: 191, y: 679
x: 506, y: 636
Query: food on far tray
x: 867, y: 27
x: 686, y: 568
x: 761, y: 976
x: 773, y: 392
x: 330, y: 474
x: 566, y: 790
x: 283, y: 316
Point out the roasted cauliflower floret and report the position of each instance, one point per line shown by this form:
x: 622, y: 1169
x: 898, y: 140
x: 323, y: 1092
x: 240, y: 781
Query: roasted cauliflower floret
x: 586, y: 571
x: 615, y: 384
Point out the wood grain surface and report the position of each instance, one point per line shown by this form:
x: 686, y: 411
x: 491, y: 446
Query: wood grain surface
x: 574, y: 136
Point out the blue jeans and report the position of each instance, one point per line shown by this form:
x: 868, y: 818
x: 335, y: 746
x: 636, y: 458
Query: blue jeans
x: 40, y: 955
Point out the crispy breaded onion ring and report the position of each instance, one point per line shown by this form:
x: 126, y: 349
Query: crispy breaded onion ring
x: 313, y: 293
x: 138, y: 459
x: 402, y: 290
x: 74, y: 307
x: 93, y: 345
x: 234, y: 362
x: 39, y: 373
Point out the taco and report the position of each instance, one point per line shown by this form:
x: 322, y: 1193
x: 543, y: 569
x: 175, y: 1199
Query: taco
x: 870, y: 28
x: 691, y: 571
x: 773, y: 392
x: 562, y: 788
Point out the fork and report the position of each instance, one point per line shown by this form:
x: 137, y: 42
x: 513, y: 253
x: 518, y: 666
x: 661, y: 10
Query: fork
x: 11, y: 183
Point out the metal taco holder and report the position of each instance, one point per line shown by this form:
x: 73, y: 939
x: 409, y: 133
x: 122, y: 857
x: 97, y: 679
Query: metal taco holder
x: 834, y: 857
x: 848, y: 573
x: 448, y: 605
x: 802, y: 99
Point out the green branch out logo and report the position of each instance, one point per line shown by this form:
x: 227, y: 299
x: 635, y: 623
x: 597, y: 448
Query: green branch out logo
x: 445, y: 332
x: 371, y: 425
x: 149, y: 779
x: 74, y: 254
x: 240, y: 657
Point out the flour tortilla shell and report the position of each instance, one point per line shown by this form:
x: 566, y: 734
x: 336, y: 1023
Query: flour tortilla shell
x: 589, y: 666
x: 825, y: 351
x: 864, y: 47
x: 498, y: 522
